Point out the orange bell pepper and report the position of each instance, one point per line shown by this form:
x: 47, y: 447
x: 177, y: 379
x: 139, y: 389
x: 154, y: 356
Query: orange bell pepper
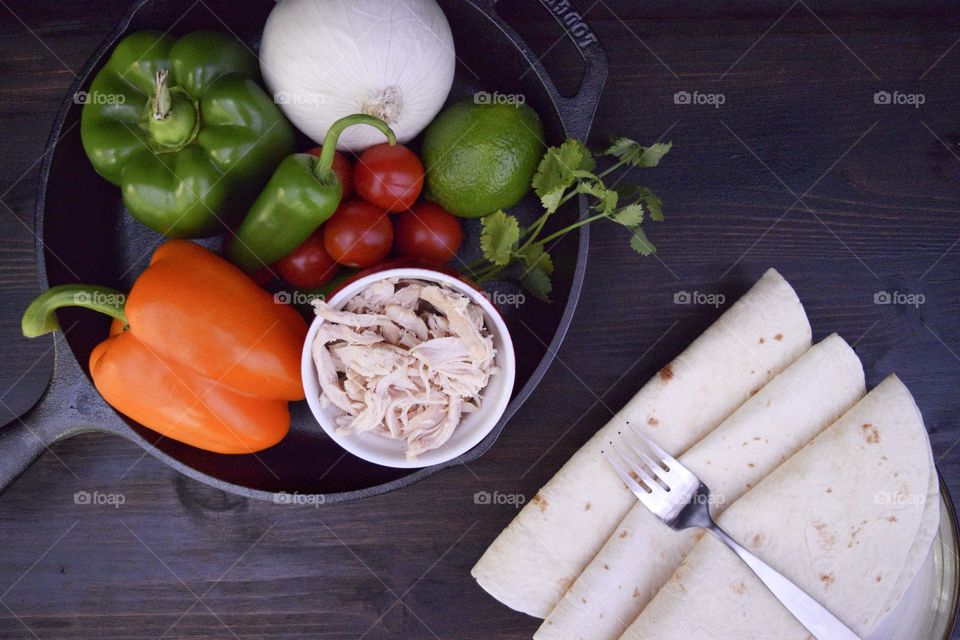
x: 197, y: 351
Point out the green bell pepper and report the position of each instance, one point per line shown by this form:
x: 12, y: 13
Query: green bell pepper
x: 184, y: 129
x: 301, y: 195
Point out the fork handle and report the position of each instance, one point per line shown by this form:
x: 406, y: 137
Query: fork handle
x: 810, y: 613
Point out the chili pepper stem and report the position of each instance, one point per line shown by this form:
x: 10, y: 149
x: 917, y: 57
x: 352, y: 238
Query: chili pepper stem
x: 324, y: 166
x: 40, y: 317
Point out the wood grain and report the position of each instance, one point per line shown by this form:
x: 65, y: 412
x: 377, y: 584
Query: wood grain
x: 797, y: 169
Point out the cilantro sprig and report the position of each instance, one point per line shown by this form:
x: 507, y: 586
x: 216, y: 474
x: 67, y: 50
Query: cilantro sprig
x: 566, y: 172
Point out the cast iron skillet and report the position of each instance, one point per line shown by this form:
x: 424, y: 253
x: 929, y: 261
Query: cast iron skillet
x: 88, y: 237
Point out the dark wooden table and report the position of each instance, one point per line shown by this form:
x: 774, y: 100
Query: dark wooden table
x: 798, y: 168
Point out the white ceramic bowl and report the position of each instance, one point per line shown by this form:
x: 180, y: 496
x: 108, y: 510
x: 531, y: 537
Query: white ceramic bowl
x: 472, y: 428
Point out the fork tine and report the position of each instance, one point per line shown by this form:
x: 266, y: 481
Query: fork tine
x: 656, y: 468
x: 623, y: 473
x: 669, y: 460
x: 645, y: 475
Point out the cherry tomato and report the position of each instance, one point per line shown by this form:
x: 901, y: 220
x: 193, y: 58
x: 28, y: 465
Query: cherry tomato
x: 358, y: 235
x: 263, y: 275
x: 390, y: 177
x: 429, y: 232
x: 309, y: 265
x: 341, y: 167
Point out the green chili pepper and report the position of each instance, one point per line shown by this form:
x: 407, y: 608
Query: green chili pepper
x: 301, y: 195
x: 184, y: 129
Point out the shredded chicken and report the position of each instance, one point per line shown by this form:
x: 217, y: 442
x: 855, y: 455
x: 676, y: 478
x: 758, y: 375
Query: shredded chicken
x: 404, y: 359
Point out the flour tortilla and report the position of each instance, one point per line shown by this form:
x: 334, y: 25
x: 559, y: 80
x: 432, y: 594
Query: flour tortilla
x: 840, y: 519
x: 539, y: 555
x: 639, y: 558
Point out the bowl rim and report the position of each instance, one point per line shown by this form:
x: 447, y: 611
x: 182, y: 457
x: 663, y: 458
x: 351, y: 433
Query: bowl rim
x: 506, y: 360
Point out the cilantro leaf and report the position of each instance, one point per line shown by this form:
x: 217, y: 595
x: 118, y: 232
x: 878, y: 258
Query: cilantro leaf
x: 607, y: 198
x: 633, y: 153
x: 536, y: 257
x: 640, y: 243
x: 630, y: 215
x: 498, y: 237
x: 558, y: 170
x: 537, y: 282
x: 642, y: 194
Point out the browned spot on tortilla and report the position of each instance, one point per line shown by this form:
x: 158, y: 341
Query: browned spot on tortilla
x: 827, y: 579
x: 601, y: 616
x: 744, y: 444
x: 739, y: 587
x: 754, y: 392
x: 892, y: 519
x: 824, y: 536
x: 636, y: 592
x: 757, y: 438
x: 854, y: 534
x: 606, y: 567
x: 666, y: 373
x: 633, y: 474
x: 587, y: 506
x: 752, y: 371
x: 870, y: 433
x: 762, y: 340
x: 751, y: 465
x: 829, y: 489
x: 879, y: 578
x: 583, y: 600
x: 778, y: 337
x: 623, y: 534
x: 652, y: 421
x: 757, y: 540
x: 540, y: 502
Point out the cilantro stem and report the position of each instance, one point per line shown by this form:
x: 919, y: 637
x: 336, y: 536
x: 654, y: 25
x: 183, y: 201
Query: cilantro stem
x: 568, y: 229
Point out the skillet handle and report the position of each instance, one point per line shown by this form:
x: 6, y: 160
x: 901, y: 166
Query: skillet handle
x: 68, y: 406
x: 577, y: 111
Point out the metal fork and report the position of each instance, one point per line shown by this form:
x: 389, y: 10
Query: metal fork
x: 676, y: 496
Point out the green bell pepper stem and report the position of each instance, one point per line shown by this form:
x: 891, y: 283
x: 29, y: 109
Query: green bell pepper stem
x: 161, y: 95
x: 324, y: 166
x: 301, y: 195
x: 40, y: 319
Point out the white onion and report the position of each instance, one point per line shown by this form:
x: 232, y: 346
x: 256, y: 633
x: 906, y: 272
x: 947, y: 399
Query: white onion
x: 326, y: 59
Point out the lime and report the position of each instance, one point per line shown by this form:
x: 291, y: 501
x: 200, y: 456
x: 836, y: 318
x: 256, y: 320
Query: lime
x: 481, y: 157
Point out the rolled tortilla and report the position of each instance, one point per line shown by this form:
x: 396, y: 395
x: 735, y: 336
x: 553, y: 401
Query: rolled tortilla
x: 639, y: 558
x: 539, y: 555
x: 840, y: 519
